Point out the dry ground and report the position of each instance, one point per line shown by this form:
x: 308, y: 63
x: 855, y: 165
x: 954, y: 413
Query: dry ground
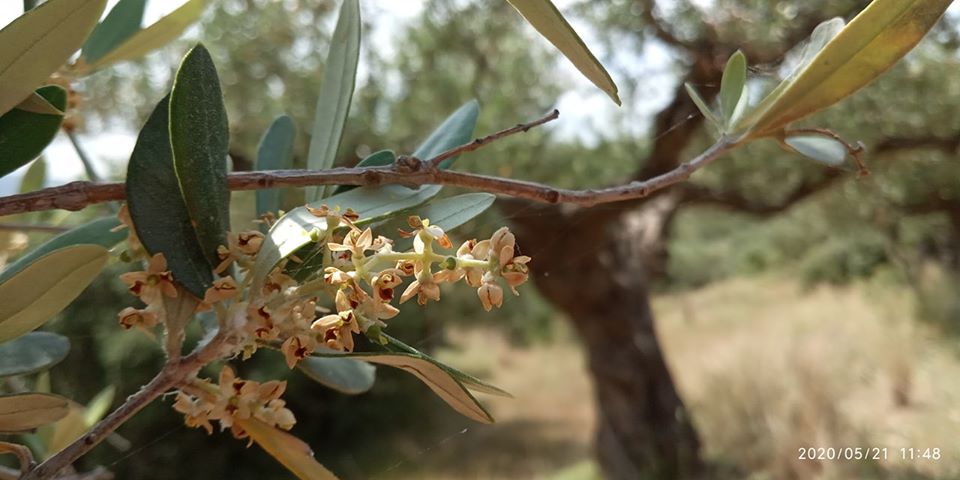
x: 766, y: 368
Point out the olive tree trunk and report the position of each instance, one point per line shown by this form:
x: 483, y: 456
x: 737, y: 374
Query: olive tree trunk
x: 590, y: 264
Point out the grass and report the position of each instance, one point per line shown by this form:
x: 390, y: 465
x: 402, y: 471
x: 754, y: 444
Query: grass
x: 766, y: 368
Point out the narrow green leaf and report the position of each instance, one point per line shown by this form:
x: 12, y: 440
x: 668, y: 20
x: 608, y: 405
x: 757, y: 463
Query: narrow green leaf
x: 200, y: 138
x: 35, y: 177
x: 24, y: 135
x: 336, y: 92
x: 290, y: 451
x: 292, y: 231
x: 341, y: 374
x: 473, y: 383
x: 872, y: 43
x: 823, y: 149
x: 27, y: 411
x: 451, y: 212
x: 97, y: 232
x: 46, y: 286
x: 732, y: 84
x: 701, y: 104
x: 382, y: 158
x: 546, y: 19
x: 31, y: 353
x: 37, y: 43
x: 275, y: 153
x: 121, y: 23
x: 164, y: 31
x: 157, y: 208
x: 443, y: 384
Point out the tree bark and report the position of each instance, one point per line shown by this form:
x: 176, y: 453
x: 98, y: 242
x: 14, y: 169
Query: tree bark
x: 590, y: 264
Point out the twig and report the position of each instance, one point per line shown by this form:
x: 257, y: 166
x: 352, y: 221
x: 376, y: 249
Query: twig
x: 173, y: 374
x: 476, y: 144
x: 77, y: 195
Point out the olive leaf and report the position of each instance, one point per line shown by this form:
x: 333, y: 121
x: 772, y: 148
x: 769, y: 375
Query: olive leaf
x: 39, y: 42
x: 344, y: 375
x: 24, y: 134
x: 157, y: 208
x: 336, y: 92
x: 46, y: 286
x: 872, y: 43
x: 31, y: 353
x: 144, y: 41
x: 546, y: 19
x: 290, y: 451
x: 96, y: 232
x: 28, y: 411
x: 200, y: 137
x: 120, y: 24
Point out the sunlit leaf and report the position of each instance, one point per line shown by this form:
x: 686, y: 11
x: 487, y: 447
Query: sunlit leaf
x: 336, y: 92
x: 732, y: 85
x: 96, y: 232
x: 24, y: 135
x: 701, y: 105
x: 41, y: 290
x: 39, y: 42
x: 344, y: 375
x: 200, y: 138
x: 157, y: 207
x: 547, y: 20
x: 121, y: 23
x: 823, y: 149
x: 471, y: 382
x: 290, y: 451
x: 275, y: 153
x: 164, y: 31
x: 439, y: 380
x: 872, y: 43
x: 32, y: 353
x: 27, y: 411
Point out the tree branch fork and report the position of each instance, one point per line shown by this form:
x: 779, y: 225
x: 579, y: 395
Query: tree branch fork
x: 408, y: 171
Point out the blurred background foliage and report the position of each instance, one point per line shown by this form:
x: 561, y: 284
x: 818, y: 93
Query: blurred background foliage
x: 899, y: 227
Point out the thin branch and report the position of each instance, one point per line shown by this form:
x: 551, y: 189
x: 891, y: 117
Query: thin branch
x: 407, y: 171
x: 173, y: 374
x: 480, y: 142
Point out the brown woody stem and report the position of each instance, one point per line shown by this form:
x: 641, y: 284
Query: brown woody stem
x: 172, y: 375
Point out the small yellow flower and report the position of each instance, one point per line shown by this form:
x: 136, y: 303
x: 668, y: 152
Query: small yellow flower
x: 144, y: 319
x: 152, y: 285
x: 425, y: 291
x: 223, y: 289
x: 490, y: 295
x: 297, y: 348
x: 337, y: 330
